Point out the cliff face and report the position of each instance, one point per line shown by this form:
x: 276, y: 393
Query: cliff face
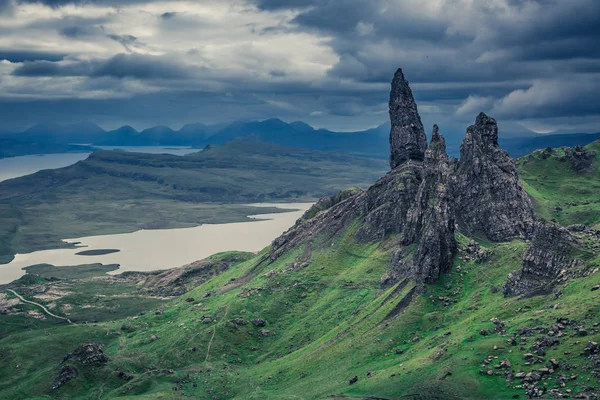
x: 419, y: 203
x: 490, y: 199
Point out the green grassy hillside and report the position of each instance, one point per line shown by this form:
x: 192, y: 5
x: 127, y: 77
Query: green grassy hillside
x: 305, y: 325
x: 561, y: 193
x: 325, y: 321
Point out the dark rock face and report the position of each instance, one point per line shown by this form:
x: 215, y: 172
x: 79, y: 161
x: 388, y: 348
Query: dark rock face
x: 580, y: 159
x: 430, y: 220
x: 65, y: 374
x: 407, y: 137
x: 548, y: 259
x: 490, y: 198
x: 388, y: 201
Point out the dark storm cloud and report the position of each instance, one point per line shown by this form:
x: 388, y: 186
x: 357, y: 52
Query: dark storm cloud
x: 60, y: 3
x: 282, y: 4
x: 6, y: 6
x: 135, y: 66
x: 19, y: 56
x: 80, y: 31
x: 517, y: 59
x: 530, y: 48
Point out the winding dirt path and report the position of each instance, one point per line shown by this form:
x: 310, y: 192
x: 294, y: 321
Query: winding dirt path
x: 214, y: 332
x: 39, y: 305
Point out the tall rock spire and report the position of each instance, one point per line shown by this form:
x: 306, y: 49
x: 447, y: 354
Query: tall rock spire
x: 407, y: 137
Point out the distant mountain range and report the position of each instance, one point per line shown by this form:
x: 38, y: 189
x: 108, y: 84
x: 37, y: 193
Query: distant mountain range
x: 371, y: 142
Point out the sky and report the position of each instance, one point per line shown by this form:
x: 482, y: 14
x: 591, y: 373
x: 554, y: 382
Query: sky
x: 531, y: 64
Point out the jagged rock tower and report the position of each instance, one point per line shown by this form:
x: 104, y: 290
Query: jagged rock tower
x: 490, y: 198
x: 407, y: 137
x: 419, y: 203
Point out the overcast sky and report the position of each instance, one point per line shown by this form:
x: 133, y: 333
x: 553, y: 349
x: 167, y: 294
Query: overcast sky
x: 326, y: 62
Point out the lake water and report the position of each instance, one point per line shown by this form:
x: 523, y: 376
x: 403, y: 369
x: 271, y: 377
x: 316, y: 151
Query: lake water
x: 13, y: 167
x: 149, y: 250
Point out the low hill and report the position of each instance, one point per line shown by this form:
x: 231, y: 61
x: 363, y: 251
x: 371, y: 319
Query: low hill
x: 15, y: 148
x: 518, y: 147
x: 115, y: 191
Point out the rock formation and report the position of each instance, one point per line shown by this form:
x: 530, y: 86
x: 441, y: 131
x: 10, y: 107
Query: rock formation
x: 92, y: 353
x: 580, y: 159
x: 550, y: 257
x: 407, y: 137
x: 418, y: 204
x: 490, y: 199
x: 430, y: 220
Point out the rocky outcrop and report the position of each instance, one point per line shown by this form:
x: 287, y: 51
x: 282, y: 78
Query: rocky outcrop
x: 407, y: 136
x: 65, y: 374
x: 417, y: 205
x: 580, y: 159
x: 429, y: 221
x: 490, y: 199
x: 92, y: 353
x: 550, y: 258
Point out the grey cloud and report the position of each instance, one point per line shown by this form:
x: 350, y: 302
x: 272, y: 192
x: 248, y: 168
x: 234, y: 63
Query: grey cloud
x: 81, y: 31
x: 129, y: 42
x: 168, y: 15
x: 135, y: 66
x: 285, y: 4
x: 19, y: 56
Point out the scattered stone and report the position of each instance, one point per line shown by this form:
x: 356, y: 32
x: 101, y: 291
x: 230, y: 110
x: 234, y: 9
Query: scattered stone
x: 353, y: 380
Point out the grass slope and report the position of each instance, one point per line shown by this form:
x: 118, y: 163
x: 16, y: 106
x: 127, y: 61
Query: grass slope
x: 559, y: 192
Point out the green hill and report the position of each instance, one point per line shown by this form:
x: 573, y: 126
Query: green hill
x: 561, y: 192
x: 437, y: 282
